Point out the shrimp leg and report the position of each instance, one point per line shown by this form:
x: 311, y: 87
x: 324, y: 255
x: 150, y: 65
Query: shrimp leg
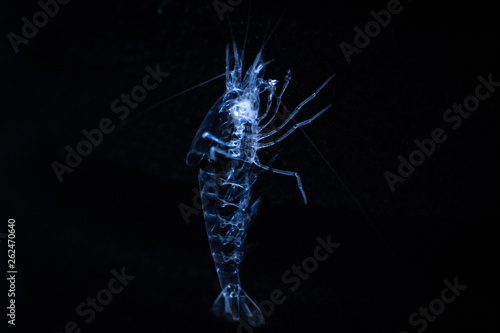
x: 213, y: 138
x: 297, y: 109
x: 287, y: 173
x: 285, y: 85
x: 294, y: 127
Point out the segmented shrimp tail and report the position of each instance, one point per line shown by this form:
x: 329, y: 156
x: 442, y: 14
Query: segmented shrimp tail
x: 234, y: 304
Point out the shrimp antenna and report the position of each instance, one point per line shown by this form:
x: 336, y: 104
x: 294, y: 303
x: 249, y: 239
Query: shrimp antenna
x: 270, y: 33
x: 152, y: 107
x: 237, y: 62
x: 246, y: 35
x: 246, y: 29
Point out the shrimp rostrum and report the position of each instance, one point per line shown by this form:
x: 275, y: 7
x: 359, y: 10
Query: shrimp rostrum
x: 225, y: 147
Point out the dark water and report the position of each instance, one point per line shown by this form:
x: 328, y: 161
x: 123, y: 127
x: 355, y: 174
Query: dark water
x: 117, y: 212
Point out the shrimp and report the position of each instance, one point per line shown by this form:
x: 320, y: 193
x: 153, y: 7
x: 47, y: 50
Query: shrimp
x: 225, y: 147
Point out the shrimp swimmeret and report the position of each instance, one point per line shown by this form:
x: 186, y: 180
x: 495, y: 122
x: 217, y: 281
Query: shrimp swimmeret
x: 226, y: 147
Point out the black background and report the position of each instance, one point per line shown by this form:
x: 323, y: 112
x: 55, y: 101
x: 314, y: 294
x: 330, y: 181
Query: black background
x: 120, y: 207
